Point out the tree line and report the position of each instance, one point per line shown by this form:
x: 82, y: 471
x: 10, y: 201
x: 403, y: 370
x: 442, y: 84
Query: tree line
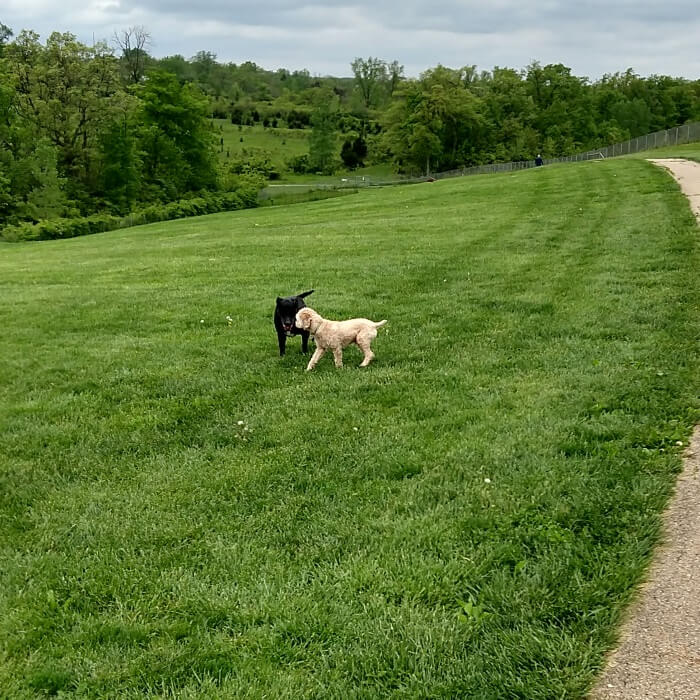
x: 447, y: 118
x: 109, y: 128
x: 76, y: 138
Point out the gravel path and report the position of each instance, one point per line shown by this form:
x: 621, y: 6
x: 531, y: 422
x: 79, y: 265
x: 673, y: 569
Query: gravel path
x: 658, y: 657
x: 687, y: 173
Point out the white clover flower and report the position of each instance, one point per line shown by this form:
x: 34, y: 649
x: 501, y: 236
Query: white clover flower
x: 487, y: 480
x: 240, y: 422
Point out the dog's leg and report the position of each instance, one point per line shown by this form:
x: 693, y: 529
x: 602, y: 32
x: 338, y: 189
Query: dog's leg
x: 318, y: 354
x: 305, y: 342
x: 364, y: 345
x: 369, y: 356
x: 282, y: 340
x: 338, y: 356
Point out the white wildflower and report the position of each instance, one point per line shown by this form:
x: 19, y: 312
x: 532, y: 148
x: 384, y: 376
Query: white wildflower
x: 487, y: 480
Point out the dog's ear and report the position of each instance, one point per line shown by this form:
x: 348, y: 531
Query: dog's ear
x: 279, y: 299
x: 306, y: 294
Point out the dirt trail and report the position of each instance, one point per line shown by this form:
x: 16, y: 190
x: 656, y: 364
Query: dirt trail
x: 658, y: 657
x: 687, y: 173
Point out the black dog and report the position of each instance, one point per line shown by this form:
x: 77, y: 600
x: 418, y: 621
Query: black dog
x: 285, y: 311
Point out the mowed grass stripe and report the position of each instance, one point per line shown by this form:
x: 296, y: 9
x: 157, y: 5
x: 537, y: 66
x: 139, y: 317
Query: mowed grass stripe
x: 463, y: 519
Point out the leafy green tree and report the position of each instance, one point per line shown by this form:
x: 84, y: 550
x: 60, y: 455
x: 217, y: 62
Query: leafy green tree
x: 66, y: 92
x: 121, y: 162
x: 632, y: 116
x: 347, y: 155
x: 177, y: 141
x: 7, y: 146
x: 412, y: 128
x: 46, y: 198
x: 204, y: 67
x: 436, y: 122
x: 564, y: 108
x: 30, y: 184
x: 7, y: 199
x: 370, y: 76
x: 133, y: 43
x: 353, y: 152
x: 177, y: 65
x: 5, y: 34
x: 359, y: 145
x: 322, y: 141
x: 395, y: 76
x: 509, y: 114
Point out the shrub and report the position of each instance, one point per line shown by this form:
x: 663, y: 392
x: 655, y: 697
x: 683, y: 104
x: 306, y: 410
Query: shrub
x: 299, y: 164
x: 244, y: 195
x: 252, y: 160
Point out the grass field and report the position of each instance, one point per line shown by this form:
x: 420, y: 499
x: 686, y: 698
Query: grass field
x: 184, y: 514
x: 691, y: 151
x: 283, y: 145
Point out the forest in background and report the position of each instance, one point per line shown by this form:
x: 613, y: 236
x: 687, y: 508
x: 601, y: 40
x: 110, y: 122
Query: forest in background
x: 110, y: 129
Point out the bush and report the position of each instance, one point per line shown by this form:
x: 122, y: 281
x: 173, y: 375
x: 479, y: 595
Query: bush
x: 252, y: 160
x: 353, y: 152
x: 243, y: 196
x: 299, y: 164
x: 284, y: 198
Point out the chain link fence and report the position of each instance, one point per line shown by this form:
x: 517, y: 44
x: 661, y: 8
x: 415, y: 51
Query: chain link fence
x: 688, y: 133
x: 678, y: 135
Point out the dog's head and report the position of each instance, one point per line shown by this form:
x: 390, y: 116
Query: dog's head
x: 287, y: 308
x: 305, y: 318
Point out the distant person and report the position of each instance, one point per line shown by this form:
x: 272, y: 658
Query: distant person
x: 538, y: 160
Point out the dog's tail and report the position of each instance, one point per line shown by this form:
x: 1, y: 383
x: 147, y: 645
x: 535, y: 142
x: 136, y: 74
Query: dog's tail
x: 379, y: 324
x: 305, y: 294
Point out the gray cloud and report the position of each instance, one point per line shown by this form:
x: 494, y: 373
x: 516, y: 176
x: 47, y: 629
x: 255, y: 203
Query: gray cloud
x: 592, y: 37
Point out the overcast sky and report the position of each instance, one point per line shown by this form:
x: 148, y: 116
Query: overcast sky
x: 592, y: 37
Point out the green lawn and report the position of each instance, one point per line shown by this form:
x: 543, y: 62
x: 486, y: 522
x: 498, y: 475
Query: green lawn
x: 282, y: 144
x: 184, y: 514
x: 691, y: 151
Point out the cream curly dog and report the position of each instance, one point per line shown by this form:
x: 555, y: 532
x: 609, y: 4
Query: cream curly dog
x: 336, y: 335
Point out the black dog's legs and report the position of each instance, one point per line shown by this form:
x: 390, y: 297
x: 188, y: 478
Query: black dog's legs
x: 282, y: 340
